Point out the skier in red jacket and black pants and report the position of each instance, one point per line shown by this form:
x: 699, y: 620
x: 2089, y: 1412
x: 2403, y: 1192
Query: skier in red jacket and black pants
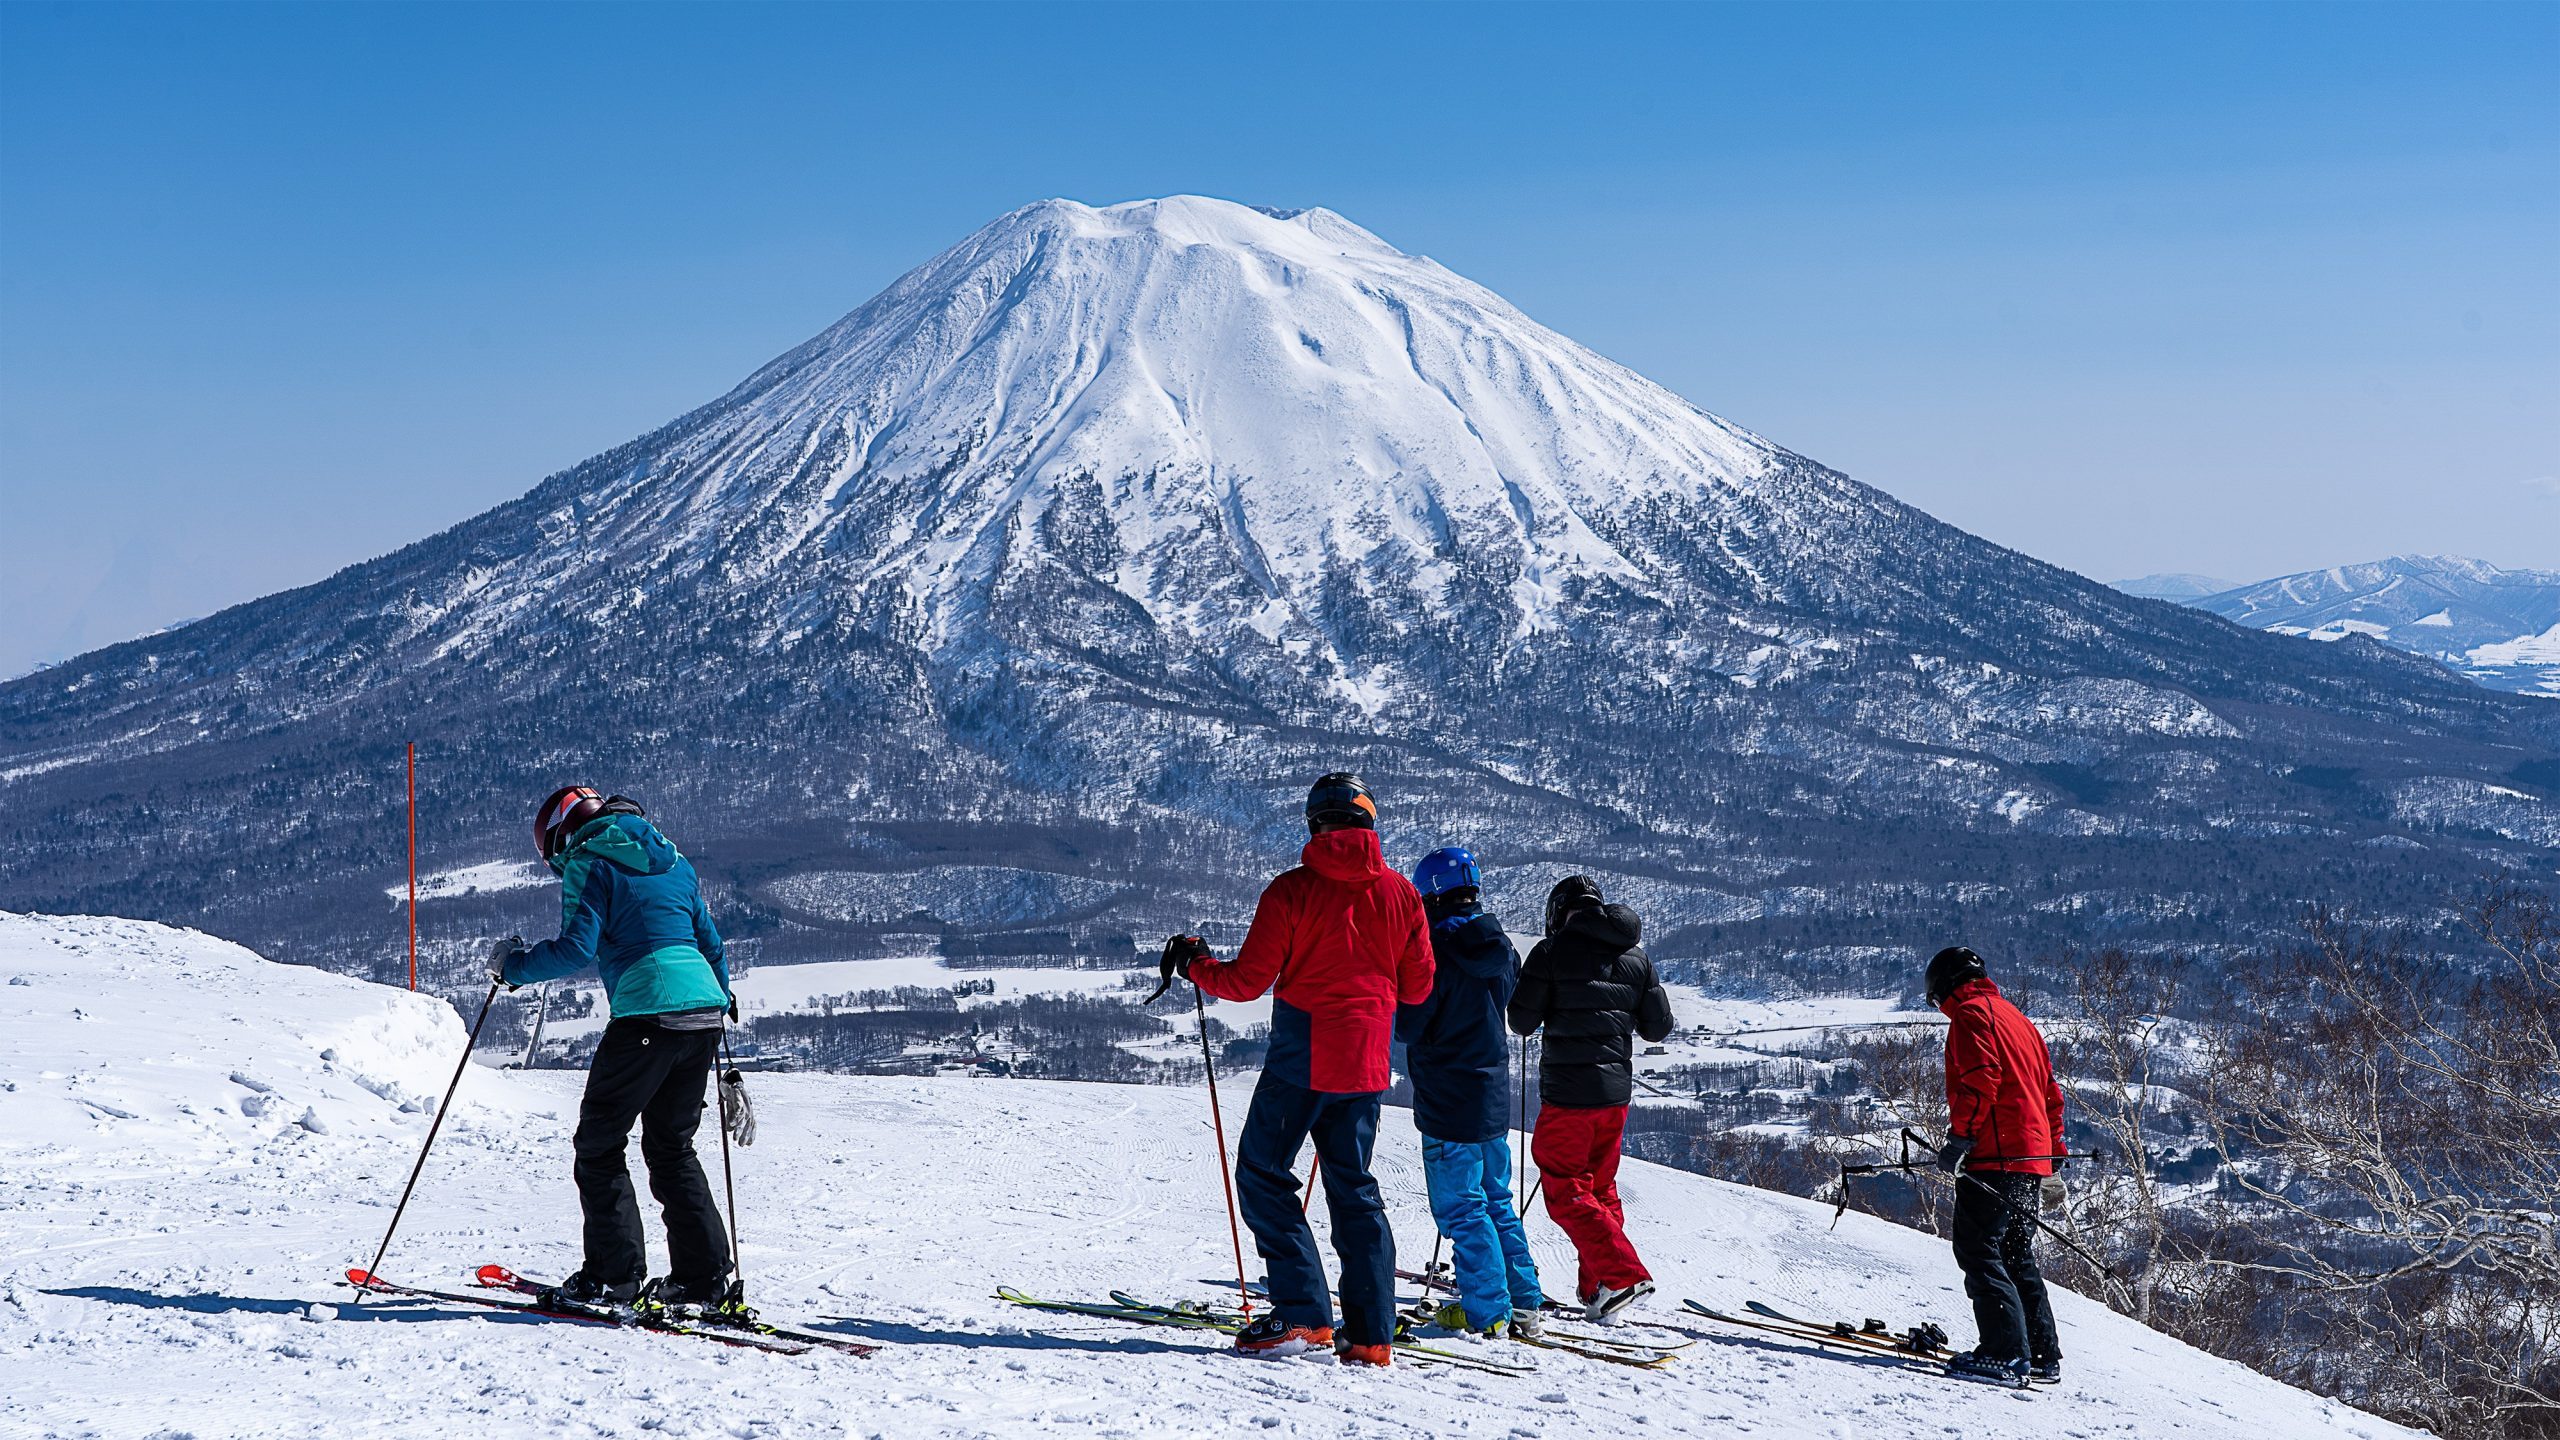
x: 1343, y: 939
x: 2004, y: 1125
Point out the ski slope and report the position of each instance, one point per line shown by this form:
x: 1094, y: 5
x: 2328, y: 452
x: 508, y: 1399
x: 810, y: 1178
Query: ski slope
x: 197, y: 1143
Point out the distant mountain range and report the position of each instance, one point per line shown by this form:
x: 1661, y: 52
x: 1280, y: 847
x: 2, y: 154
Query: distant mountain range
x: 2173, y: 586
x: 1015, y: 611
x: 2499, y: 627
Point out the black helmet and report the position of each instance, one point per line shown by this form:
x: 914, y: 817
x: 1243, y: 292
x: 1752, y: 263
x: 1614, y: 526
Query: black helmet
x: 559, y: 817
x: 1950, y: 968
x: 1573, y: 892
x: 1341, y: 798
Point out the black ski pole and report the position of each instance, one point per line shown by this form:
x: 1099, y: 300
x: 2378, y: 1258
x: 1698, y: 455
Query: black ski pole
x: 1520, y: 1107
x: 728, y: 1179
x: 1209, y: 1068
x: 374, y: 1270
x: 1226, y: 1177
x: 2105, y: 1271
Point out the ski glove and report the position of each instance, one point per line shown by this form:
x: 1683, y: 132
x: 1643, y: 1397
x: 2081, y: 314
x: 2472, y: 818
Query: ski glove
x: 1951, y: 1155
x: 502, y: 951
x: 736, y: 1112
x: 1180, y: 953
x: 2051, y: 1192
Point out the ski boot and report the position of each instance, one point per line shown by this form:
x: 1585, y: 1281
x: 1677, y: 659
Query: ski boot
x: 1974, y: 1365
x: 1272, y: 1338
x: 1606, y: 1305
x: 582, y: 1291
x: 721, y: 1303
x: 2045, y: 1372
x: 1379, y: 1356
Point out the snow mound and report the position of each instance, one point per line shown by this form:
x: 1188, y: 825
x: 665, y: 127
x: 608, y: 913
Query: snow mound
x: 171, y: 1259
x: 123, y: 1035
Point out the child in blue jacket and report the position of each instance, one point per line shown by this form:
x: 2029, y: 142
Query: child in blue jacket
x: 1458, y: 1054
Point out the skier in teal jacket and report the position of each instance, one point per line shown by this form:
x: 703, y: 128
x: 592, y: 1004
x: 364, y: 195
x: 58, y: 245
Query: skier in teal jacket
x: 630, y: 907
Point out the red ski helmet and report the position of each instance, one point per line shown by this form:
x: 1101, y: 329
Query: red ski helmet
x: 569, y: 807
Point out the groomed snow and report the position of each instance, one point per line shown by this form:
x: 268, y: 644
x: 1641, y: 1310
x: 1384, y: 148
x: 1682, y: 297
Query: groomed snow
x: 2542, y: 649
x: 168, y: 1218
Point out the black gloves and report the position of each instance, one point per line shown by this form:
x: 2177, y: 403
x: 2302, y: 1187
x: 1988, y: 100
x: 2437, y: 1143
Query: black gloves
x: 502, y: 951
x: 1179, y: 953
x: 733, y: 1009
x: 1951, y: 1155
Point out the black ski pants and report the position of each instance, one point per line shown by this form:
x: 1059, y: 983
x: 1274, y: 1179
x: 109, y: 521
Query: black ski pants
x: 1995, y: 1247
x: 656, y: 1076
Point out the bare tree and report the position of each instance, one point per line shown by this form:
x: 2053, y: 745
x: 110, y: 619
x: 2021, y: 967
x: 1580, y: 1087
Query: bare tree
x: 2119, y: 1057
x: 2400, y: 1119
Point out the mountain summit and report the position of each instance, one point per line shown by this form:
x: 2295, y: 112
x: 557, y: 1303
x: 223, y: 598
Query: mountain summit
x: 1023, y: 601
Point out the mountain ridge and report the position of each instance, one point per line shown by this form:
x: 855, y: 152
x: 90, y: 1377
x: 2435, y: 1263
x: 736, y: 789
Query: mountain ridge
x: 2499, y: 626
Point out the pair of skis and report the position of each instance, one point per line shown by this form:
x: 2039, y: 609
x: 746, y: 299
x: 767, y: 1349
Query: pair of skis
x: 1921, y: 1348
x: 1195, y: 1316
x: 503, y: 1289
x: 1615, y: 1350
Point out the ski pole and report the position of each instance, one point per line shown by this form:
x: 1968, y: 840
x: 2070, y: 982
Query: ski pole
x: 1208, y: 1067
x: 1313, y: 1167
x: 2105, y: 1271
x: 459, y: 1066
x: 728, y: 1178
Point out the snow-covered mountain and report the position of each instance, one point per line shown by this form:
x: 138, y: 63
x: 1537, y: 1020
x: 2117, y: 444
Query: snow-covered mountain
x: 1023, y: 602
x: 2172, y: 585
x: 2500, y: 627
x: 200, y: 1143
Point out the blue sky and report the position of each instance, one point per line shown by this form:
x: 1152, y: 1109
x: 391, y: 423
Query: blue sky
x: 2220, y: 288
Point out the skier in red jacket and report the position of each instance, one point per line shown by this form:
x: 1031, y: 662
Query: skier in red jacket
x: 1343, y: 939
x: 2004, y: 1125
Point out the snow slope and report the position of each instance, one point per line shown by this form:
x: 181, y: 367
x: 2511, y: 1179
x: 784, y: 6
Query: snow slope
x: 167, y: 1218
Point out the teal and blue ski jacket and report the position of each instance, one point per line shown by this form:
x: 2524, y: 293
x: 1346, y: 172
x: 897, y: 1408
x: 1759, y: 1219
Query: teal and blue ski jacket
x: 630, y: 907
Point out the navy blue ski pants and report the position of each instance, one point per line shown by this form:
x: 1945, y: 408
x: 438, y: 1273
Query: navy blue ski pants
x: 1345, y: 1129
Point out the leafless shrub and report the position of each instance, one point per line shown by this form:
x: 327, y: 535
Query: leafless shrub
x: 2397, y: 1121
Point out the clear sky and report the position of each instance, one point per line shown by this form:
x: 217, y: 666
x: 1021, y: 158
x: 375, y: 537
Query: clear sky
x: 2214, y: 288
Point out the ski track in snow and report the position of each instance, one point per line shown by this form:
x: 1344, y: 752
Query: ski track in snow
x: 198, y: 1143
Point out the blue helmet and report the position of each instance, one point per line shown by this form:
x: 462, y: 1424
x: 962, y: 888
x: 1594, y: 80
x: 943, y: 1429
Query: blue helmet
x: 1451, y: 867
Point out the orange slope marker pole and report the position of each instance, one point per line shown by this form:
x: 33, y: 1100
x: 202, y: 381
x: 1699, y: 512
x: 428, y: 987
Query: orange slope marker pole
x: 413, y: 864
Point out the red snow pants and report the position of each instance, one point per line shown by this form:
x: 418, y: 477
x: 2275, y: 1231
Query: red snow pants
x: 1576, y: 1151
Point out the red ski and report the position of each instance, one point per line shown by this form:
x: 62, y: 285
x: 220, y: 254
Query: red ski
x: 713, y: 1324
x: 365, y: 1283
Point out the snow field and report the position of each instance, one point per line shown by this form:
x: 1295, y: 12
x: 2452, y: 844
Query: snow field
x: 165, y: 1240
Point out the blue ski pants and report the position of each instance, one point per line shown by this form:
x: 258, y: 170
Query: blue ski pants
x: 1345, y: 1129
x: 1471, y: 1202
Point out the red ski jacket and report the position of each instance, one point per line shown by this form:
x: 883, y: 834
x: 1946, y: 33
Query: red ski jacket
x: 1345, y: 940
x: 2000, y: 1088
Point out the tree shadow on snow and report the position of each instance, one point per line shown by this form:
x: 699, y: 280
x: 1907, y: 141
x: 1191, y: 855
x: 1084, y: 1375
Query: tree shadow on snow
x: 212, y: 1304
x: 890, y: 1332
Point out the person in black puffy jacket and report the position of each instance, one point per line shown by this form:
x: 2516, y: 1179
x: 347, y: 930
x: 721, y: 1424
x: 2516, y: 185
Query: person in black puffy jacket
x: 1590, y: 987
